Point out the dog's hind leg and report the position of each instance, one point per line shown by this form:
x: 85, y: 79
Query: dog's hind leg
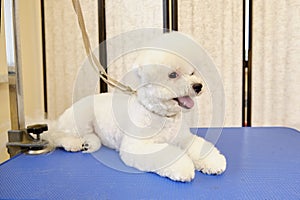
x: 161, y: 158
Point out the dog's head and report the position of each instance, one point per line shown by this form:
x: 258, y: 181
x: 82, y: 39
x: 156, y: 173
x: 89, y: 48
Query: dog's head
x: 168, y: 83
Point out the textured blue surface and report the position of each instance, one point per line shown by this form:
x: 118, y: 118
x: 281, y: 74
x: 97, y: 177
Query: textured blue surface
x: 263, y: 163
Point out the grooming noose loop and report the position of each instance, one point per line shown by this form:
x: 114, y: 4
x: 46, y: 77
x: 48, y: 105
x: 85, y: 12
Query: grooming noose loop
x: 92, y: 58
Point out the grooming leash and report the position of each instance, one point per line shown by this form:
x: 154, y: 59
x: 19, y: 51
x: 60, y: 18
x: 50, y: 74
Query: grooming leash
x: 91, y: 56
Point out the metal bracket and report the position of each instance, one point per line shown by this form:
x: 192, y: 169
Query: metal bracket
x: 21, y: 141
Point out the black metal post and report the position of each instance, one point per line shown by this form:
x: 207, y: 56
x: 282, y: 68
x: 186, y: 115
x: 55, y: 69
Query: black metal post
x: 175, y: 15
x: 102, y: 38
x: 166, y: 16
x: 170, y: 15
x: 44, y: 58
x: 247, y: 62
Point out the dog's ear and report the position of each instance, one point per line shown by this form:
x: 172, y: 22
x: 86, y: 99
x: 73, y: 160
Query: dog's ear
x: 144, y: 73
x: 139, y: 70
x: 136, y: 69
x: 132, y: 78
x: 134, y: 66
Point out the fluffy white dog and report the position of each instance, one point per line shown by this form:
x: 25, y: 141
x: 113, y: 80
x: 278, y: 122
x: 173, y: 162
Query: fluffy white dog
x: 146, y: 128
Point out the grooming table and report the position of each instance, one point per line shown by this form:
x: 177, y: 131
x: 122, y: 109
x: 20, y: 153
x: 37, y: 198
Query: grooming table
x: 262, y: 163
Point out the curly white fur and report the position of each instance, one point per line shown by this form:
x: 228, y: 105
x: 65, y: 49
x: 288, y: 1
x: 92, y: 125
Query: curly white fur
x: 146, y: 128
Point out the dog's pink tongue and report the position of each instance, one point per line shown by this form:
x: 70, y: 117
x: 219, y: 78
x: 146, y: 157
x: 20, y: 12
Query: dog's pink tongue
x: 186, y: 102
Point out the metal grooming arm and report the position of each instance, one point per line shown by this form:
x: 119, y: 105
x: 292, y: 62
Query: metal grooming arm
x: 19, y: 138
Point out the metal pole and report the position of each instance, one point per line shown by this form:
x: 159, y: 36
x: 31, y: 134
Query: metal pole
x: 102, y: 38
x: 175, y: 15
x: 19, y: 138
x: 247, y: 63
x: 12, y: 24
x: 44, y: 59
x: 166, y: 15
x: 170, y: 15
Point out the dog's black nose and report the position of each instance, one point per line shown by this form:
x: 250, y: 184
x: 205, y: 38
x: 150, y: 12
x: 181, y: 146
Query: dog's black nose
x: 197, y: 87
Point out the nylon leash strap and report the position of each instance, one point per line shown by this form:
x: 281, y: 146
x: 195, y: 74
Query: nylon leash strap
x: 91, y: 56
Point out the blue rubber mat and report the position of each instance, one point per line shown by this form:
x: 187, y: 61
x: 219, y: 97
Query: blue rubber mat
x: 262, y: 163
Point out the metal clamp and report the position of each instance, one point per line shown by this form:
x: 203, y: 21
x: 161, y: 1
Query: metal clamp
x: 21, y: 141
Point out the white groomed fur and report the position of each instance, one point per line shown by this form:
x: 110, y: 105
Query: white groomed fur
x: 171, y: 151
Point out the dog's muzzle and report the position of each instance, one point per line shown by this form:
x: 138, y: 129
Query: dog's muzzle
x: 186, y: 101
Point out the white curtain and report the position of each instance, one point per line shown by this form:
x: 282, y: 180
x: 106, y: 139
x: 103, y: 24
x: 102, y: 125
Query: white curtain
x: 217, y: 26
x: 126, y: 16
x: 276, y: 59
x: 65, y: 51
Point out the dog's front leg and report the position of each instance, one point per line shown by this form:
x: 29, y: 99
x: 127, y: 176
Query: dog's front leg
x: 161, y: 158
x: 206, y: 156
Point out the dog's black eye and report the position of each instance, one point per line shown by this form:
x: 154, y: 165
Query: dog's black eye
x: 173, y: 75
x: 192, y: 73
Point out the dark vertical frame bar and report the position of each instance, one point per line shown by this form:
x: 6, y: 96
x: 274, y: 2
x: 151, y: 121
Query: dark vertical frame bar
x: 174, y: 15
x: 247, y: 66
x: 44, y: 58
x: 102, y: 38
x: 166, y: 16
x: 170, y: 15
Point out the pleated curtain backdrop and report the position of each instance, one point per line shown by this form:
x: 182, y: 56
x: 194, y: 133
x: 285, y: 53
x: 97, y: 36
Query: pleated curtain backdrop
x: 217, y: 26
x: 276, y: 59
x: 123, y: 17
x: 64, y: 49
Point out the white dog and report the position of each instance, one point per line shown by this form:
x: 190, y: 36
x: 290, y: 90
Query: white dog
x: 146, y: 128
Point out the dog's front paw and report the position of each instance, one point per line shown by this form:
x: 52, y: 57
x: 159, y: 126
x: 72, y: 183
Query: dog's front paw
x: 71, y: 143
x: 214, y: 163
x: 91, y: 143
x: 90, y: 147
x: 181, y: 170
